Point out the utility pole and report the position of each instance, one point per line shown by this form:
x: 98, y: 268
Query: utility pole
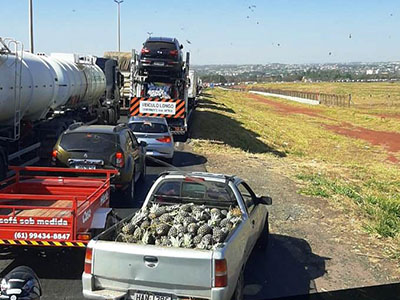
x: 119, y: 23
x: 31, y: 26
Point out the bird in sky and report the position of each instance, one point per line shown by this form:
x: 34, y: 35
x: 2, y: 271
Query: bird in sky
x: 330, y: 53
x: 350, y: 36
x: 189, y: 42
x: 149, y: 33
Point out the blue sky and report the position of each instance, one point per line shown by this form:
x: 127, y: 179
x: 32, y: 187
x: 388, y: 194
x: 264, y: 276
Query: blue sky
x: 220, y: 31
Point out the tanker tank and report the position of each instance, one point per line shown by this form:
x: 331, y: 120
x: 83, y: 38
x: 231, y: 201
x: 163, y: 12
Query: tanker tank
x: 46, y: 82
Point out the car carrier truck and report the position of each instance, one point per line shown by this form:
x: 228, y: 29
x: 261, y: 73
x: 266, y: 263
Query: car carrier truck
x: 161, y: 96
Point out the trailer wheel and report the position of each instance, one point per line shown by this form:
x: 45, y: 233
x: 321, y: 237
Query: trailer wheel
x: 238, y: 293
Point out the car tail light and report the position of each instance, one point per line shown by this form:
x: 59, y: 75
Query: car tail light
x: 54, y: 155
x: 88, y: 260
x: 221, y: 273
x: 165, y: 139
x: 145, y: 51
x: 119, y: 159
x: 173, y: 52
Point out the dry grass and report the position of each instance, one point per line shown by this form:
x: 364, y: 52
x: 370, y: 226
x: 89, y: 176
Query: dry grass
x: 326, y: 163
x: 380, y: 96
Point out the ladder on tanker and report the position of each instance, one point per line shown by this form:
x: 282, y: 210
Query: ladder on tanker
x: 5, y: 45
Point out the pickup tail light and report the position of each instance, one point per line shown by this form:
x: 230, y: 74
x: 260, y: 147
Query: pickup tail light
x: 165, y: 139
x: 119, y: 159
x: 173, y: 52
x: 54, y: 155
x: 145, y: 51
x: 88, y: 260
x: 221, y: 273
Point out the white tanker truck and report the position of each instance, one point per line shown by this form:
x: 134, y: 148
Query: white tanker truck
x: 40, y: 96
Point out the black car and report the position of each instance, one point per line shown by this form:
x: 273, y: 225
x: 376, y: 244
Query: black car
x: 161, y: 56
x: 103, y: 146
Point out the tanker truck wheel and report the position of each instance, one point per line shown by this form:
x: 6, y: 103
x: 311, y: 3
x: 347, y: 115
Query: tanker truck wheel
x: 112, y: 118
x: 3, y: 170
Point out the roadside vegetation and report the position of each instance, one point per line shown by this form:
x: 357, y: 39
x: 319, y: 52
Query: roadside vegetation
x: 352, y: 167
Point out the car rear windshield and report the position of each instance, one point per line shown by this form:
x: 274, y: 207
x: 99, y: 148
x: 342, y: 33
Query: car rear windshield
x: 160, y: 45
x: 193, y: 191
x: 148, y: 127
x: 90, y: 142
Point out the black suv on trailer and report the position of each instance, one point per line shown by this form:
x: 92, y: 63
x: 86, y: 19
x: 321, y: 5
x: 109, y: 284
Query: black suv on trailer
x: 102, y: 146
x: 161, y: 56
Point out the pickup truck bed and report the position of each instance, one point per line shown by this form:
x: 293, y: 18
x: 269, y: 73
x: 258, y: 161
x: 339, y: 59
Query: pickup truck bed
x: 120, y: 270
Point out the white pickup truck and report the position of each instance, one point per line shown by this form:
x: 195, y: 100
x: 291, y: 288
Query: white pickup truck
x: 120, y: 270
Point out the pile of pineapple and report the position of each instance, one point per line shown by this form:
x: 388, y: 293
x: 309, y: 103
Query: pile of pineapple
x: 180, y: 225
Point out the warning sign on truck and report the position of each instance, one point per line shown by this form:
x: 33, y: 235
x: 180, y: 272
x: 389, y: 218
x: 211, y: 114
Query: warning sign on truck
x: 152, y: 107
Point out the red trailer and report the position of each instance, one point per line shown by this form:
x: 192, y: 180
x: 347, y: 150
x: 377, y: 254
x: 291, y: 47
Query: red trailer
x: 40, y: 208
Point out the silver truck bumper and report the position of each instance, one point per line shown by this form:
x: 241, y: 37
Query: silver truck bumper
x: 88, y: 293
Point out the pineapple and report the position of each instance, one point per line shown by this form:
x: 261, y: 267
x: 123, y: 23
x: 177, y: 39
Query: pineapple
x: 216, y: 212
x: 214, y: 221
x: 166, y: 218
x: 184, y: 213
x: 165, y: 242
x: 175, y: 241
x: 148, y: 238
x: 162, y: 229
x: 173, y: 231
x: 186, y: 207
x: 188, y: 220
x: 204, y: 229
x: 137, y: 235
x: 145, y: 224
x: 224, y: 212
x: 226, y: 223
x: 156, y: 211
x: 181, y: 229
x: 187, y: 241
x: 128, y: 228
x: 207, y: 240
x: 197, y: 239
x: 218, y: 235
x: 201, y: 215
x: 192, y: 228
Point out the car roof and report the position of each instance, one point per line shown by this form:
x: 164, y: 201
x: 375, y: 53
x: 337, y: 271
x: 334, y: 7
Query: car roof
x: 156, y: 120
x: 161, y: 39
x: 93, y: 129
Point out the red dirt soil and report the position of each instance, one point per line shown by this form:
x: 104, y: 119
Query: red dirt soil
x: 389, y: 140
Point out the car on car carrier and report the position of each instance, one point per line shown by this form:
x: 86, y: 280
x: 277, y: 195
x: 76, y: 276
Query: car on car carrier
x: 117, y: 270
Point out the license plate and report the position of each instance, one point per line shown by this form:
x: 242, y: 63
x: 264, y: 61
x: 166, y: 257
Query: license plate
x: 85, y: 167
x: 158, y: 63
x: 150, y: 296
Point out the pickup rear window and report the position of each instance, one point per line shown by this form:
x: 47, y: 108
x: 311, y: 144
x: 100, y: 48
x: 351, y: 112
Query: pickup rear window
x: 90, y: 142
x: 148, y: 127
x: 192, y: 191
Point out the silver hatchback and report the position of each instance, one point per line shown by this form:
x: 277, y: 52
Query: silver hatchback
x: 155, y: 132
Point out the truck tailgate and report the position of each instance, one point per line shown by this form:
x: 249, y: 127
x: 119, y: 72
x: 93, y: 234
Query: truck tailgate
x: 130, y: 266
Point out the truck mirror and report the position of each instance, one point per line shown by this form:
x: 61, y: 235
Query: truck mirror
x: 143, y: 144
x: 266, y: 200
x: 181, y: 46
